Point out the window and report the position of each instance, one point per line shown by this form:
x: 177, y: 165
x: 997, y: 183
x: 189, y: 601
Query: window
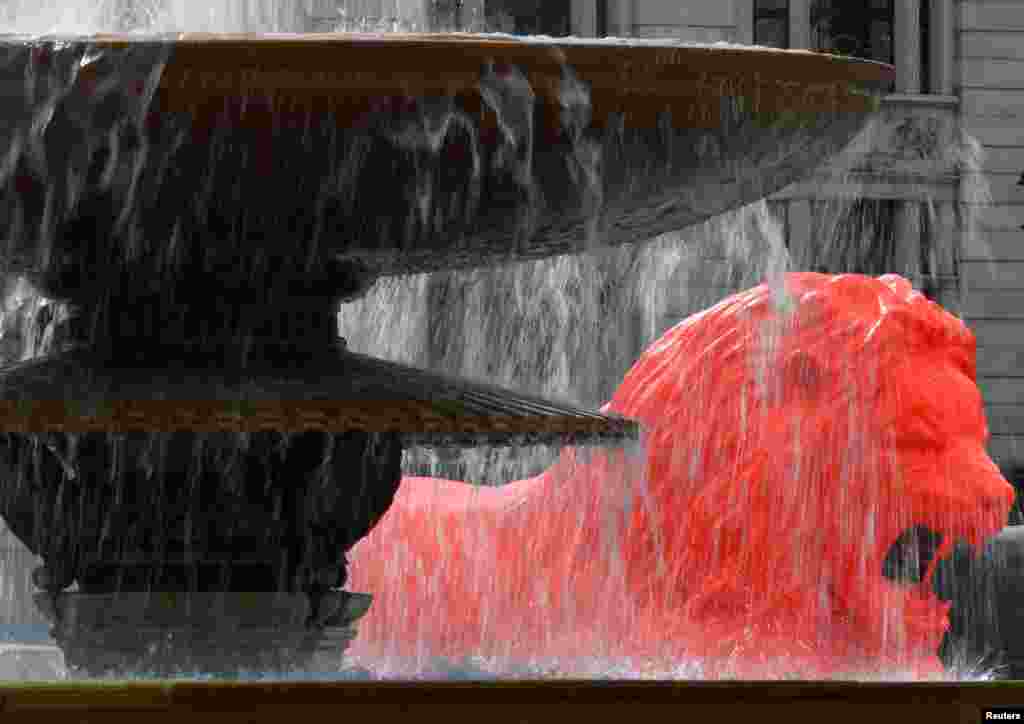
x: 533, y: 17
x: 771, y: 23
x: 445, y: 15
x: 861, y: 28
x: 926, y: 44
x: 602, y: 18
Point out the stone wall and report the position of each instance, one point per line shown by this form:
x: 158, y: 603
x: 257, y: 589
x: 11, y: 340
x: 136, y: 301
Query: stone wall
x: 991, y: 80
x: 703, y: 22
x: 389, y: 15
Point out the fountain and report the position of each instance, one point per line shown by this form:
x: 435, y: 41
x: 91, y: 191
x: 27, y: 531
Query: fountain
x: 202, y: 452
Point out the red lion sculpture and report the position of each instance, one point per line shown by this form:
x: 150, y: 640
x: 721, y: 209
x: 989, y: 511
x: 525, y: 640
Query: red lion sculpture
x: 791, y: 436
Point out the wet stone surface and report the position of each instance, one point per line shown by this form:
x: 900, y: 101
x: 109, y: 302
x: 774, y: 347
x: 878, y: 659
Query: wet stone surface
x: 186, y: 633
x: 264, y: 512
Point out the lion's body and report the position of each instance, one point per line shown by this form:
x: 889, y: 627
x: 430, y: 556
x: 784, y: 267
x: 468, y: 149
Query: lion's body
x: 788, y: 446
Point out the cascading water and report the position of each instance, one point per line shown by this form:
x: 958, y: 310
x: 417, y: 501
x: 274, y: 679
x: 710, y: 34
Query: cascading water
x: 569, y: 327
x: 150, y: 16
x: 573, y: 326
x: 576, y: 321
x: 228, y: 16
x: 749, y: 542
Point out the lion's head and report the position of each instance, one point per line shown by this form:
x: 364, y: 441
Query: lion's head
x: 791, y: 440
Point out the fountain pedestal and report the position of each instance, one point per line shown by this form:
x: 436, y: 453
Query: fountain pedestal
x: 220, y: 575
x: 167, y: 633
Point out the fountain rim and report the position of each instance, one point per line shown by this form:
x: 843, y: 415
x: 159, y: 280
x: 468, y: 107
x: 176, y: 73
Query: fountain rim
x: 437, y: 38
x: 674, y: 53
x: 337, y: 391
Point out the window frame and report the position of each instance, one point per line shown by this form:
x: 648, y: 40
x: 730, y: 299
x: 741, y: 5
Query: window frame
x: 601, y: 18
x: 781, y: 14
x: 866, y: 14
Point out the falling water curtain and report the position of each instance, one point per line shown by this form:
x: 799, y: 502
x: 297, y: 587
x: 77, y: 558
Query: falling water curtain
x: 862, y: 235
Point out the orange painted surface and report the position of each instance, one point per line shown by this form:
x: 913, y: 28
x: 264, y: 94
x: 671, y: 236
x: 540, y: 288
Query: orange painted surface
x: 788, y: 445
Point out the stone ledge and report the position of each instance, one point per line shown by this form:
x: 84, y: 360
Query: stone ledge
x: 508, y: 702
x: 938, y: 101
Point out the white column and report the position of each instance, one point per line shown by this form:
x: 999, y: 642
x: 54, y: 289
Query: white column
x: 908, y: 46
x: 943, y: 48
x: 620, y: 18
x: 800, y: 24
x: 584, y: 18
x: 473, y: 19
x: 945, y: 246
x: 743, y: 16
x: 907, y: 261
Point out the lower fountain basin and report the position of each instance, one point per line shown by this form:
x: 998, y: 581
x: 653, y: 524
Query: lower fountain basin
x: 166, y: 634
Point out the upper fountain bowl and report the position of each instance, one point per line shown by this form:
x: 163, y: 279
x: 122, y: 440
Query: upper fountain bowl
x: 150, y: 162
